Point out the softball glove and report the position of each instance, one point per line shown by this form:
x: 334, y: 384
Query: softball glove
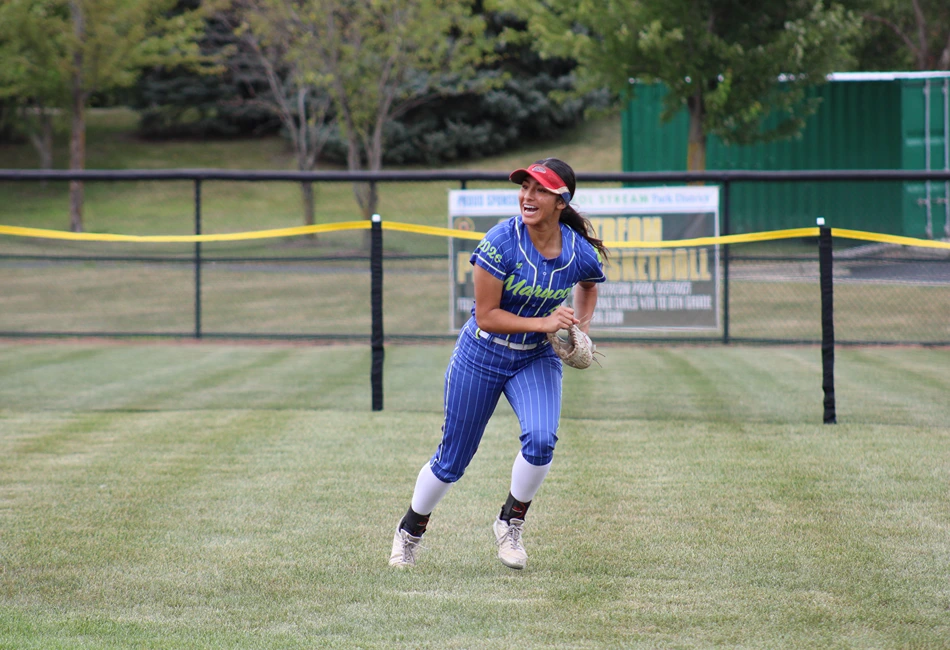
x: 577, y: 350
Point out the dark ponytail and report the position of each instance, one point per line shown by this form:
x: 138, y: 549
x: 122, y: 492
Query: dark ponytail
x: 582, y: 225
x: 569, y: 216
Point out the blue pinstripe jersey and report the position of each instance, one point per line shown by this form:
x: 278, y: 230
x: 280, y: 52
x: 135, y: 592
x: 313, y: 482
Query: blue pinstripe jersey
x: 532, y: 284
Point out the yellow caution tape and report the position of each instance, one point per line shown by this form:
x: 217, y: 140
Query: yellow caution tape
x: 39, y: 233
x: 234, y: 236
x: 712, y: 241
x: 888, y: 239
x: 431, y: 230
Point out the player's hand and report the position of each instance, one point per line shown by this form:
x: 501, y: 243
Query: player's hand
x: 560, y: 319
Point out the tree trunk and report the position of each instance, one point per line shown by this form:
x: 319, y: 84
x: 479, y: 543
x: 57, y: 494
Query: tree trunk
x: 368, y: 198
x: 696, y: 148
x: 923, y: 47
x: 372, y: 200
x: 46, y: 138
x: 375, y: 163
x: 365, y: 194
x: 77, y: 161
x: 306, y: 192
x: 77, y: 141
x: 41, y: 137
x: 302, y: 144
x: 309, y: 216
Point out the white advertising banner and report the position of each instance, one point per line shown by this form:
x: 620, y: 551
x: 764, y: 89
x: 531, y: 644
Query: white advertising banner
x: 646, y: 288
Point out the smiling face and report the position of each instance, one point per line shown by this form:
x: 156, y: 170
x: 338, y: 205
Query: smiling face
x: 538, y: 205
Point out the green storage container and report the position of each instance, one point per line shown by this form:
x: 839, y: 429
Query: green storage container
x: 865, y: 121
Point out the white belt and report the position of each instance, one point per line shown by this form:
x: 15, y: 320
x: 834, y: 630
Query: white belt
x: 505, y: 342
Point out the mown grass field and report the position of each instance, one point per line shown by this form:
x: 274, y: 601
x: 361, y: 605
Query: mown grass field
x: 156, y: 495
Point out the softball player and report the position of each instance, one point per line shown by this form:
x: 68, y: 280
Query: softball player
x: 525, y: 268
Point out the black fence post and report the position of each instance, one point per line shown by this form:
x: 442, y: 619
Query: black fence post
x: 198, y: 259
x: 825, y: 270
x: 376, y: 298
x: 725, y: 263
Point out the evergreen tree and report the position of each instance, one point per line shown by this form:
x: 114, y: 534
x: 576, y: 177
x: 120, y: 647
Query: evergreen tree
x: 178, y: 102
x: 471, y: 125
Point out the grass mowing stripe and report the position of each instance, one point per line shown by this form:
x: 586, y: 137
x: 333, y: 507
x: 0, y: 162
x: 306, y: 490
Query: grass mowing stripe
x: 707, y: 392
x: 747, y: 384
x: 198, y: 380
x: 651, y: 382
x: 876, y: 381
x: 168, y: 376
x: 15, y: 361
x: 905, y: 370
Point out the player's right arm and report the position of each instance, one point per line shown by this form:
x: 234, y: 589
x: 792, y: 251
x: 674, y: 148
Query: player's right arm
x: 492, y: 318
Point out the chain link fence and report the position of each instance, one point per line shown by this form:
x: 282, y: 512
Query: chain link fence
x: 314, y: 287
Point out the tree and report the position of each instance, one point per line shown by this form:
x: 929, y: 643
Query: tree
x: 519, y: 106
x: 33, y: 77
x: 921, y: 26
x: 266, y: 32
x: 449, y: 127
x: 377, y: 59
x: 177, y: 102
x: 719, y: 58
x: 96, y: 46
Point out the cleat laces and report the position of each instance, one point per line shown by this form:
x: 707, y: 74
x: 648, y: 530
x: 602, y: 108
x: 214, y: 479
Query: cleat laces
x: 410, y: 548
x: 513, y: 536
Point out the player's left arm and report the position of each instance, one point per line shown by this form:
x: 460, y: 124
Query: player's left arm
x: 585, y: 299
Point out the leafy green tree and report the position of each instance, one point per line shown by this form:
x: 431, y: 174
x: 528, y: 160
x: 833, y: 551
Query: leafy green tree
x: 266, y: 33
x: 94, y: 46
x: 719, y: 58
x: 921, y: 28
x: 33, y: 77
x: 376, y: 60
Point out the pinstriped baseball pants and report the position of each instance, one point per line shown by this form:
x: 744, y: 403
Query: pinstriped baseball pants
x: 479, y: 372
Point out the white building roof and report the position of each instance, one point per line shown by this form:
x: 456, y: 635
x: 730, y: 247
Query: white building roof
x: 887, y: 76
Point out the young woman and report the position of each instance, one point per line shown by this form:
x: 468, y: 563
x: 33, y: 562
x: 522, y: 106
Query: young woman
x: 525, y: 267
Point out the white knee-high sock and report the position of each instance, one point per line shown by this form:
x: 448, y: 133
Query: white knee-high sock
x: 526, y: 478
x: 428, y: 492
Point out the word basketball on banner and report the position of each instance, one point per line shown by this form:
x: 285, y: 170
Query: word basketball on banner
x: 665, y: 287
